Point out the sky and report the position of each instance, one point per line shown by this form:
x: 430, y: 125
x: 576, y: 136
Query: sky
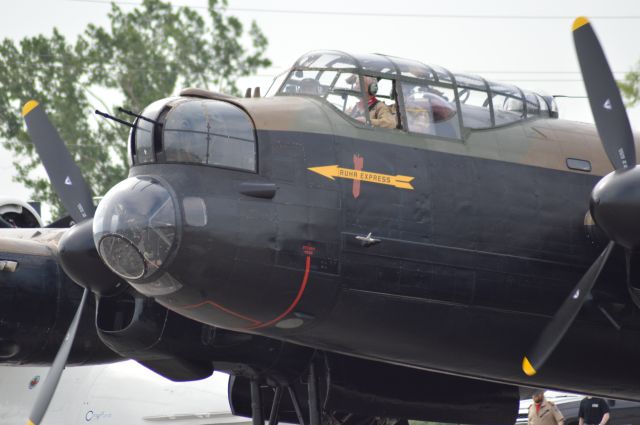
x: 524, y: 43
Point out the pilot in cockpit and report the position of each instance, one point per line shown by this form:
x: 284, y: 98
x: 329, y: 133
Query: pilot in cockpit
x: 379, y: 113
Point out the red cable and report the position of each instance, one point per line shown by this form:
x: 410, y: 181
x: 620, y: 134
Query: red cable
x: 295, y: 301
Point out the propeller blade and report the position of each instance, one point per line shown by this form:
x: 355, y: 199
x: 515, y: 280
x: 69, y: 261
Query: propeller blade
x: 59, y: 363
x: 557, y: 327
x: 63, y: 172
x: 607, y: 108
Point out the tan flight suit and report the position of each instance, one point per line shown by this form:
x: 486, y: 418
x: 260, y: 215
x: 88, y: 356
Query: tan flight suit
x: 381, y: 116
x: 547, y: 415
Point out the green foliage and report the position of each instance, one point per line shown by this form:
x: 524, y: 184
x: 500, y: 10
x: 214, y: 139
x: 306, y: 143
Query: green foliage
x: 630, y: 87
x: 144, y: 55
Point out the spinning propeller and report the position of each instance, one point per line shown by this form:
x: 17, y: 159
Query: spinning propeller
x: 615, y: 200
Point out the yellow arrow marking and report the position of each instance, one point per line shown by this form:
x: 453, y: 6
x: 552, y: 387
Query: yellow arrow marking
x: 333, y: 171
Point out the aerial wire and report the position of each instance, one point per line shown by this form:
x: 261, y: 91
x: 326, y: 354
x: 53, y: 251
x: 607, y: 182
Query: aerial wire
x: 373, y: 14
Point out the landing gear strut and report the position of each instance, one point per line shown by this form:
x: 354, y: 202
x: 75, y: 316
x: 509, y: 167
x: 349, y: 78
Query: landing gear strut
x: 313, y: 403
x: 306, y: 409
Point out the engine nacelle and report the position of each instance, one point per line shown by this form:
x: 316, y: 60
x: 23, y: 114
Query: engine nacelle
x: 37, y: 303
x: 18, y: 213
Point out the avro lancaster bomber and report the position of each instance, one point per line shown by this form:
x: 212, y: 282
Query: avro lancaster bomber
x: 344, y: 270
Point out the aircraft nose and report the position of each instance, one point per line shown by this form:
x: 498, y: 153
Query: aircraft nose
x: 134, y: 227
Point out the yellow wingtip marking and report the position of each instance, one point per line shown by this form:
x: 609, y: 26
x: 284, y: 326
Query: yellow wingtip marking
x: 28, y: 107
x: 580, y: 21
x: 527, y: 368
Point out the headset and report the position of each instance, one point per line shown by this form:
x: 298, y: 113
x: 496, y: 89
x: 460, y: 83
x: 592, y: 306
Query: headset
x: 373, y: 89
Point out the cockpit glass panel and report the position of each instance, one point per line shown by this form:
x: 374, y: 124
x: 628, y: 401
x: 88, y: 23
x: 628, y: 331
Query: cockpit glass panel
x: 431, y: 110
x: 507, y: 89
x: 533, y: 108
x: 553, y: 106
x: 413, y: 69
x: 543, y: 105
x: 325, y: 60
x: 308, y: 82
x: 376, y: 63
x: 210, y: 132
x: 471, y: 81
x: 508, y: 105
x: 507, y: 109
x: 475, y: 104
x: 346, y: 81
x: 442, y: 74
x: 344, y: 95
x: 276, y: 83
x: 343, y: 102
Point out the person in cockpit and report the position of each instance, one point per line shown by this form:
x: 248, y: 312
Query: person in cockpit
x: 379, y: 113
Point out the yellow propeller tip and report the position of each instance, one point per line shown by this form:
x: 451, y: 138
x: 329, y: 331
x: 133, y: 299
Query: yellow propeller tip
x: 28, y: 107
x: 30, y: 421
x: 580, y: 21
x: 527, y: 368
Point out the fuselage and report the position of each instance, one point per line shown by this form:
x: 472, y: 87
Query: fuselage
x: 420, y: 251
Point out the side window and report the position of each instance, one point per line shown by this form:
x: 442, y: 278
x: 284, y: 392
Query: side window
x: 360, y: 104
x: 343, y: 94
x: 507, y: 109
x: 533, y: 108
x: 476, y: 112
x: 275, y: 84
x: 544, y: 109
x: 309, y: 82
x: 386, y: 93
x: 431, y: 110
x: 380, y: 100
x: 508, y: 105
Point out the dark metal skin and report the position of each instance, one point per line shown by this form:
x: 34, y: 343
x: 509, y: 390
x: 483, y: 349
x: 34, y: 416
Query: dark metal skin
x: 470, y: 266
x: 457, y: 270
x: 614, y: 196
x: 37, y: 303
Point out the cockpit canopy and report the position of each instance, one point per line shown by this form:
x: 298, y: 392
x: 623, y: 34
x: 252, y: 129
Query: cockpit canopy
x: 425, y: 99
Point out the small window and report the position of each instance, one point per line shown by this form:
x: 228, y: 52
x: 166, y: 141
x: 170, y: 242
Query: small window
x: 300, y: 82
x: 343, y: 95
x: 431, y: 110
x: 210, y: 132
x: 476, y: 113
x: 578, y: 164
x: 376, y: 106
x: 508, y: 105
x: 276, y: 83
x: 544, y: 109
x: 507, y: 109
x: 533, y: 108
x: 349, y: 98
x: 195, y: 211
x: 310, y: 83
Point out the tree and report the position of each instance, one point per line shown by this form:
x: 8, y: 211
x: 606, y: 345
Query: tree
x: 144, y: 55
x: 630, y: 86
